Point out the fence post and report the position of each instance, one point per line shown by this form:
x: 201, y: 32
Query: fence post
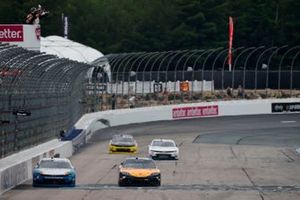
x: 168, y: 53
x: 175, y: 73
x: 151, y: 68
x: 268, y: 67
x: 140, y: 55
x: 223, y: 67
x: 245, y: 66
x: 213, y: 67
x: 118, y: 66
x: 16, y: 133
x: 143, y: 73
x: 256, y: 66
x: 203, y: 66
x: 291, y: 72
x: 281, y: 61
x: 192, y: 81
x: 235, y: 62
x: 194, y: 67
x: 2, y: 144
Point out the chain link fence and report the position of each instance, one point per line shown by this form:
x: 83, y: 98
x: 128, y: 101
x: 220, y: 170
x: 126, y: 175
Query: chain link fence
x: 171, y: 77
x: 39, y: 96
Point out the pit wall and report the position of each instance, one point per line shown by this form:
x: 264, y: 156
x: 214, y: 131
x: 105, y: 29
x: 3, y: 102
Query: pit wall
x: 17, y: 168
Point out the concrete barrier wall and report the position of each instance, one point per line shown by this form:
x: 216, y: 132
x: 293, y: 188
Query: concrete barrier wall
x: 16, y: 169
x: 159, y: 113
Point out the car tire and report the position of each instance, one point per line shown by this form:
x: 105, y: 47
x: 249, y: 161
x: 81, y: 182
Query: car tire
x: 157, y: 183
x: 34, y: 184
x: 73, y: 184
x: 121, y: 184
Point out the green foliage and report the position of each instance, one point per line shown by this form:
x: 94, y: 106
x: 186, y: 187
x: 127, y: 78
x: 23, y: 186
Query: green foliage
x: 134, y: 25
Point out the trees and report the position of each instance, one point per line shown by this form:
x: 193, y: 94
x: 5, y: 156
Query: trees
x: 134, y: 25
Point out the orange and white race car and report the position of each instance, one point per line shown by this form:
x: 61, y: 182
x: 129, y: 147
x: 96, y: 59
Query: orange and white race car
x: 137, y: 171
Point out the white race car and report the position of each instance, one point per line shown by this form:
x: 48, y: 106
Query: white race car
x: 163, y: 148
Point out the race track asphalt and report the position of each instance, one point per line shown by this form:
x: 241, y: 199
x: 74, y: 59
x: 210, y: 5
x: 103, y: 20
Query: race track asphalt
x: 236, y: 158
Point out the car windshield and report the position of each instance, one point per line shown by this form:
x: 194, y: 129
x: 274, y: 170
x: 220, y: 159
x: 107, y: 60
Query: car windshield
x: 122, y: 139
x: 163, y: 143
x: 54, y: 164
x: 139, y: 164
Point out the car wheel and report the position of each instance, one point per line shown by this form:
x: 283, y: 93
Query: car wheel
x: 121, y: 183
x: 157, y: 183
x: 34, y: 184
x: 73, y: 184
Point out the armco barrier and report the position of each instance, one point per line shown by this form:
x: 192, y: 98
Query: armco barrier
x: 17, y: 168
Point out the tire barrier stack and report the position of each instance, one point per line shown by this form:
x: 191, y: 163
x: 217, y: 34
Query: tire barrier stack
x: 39, y: 96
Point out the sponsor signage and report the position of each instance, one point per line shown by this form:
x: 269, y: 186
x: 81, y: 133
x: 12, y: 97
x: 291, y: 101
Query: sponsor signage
x: 184, y: 86
x: 286, y: 107
x: 157, y: 87
x: 97, y: 87
x: 23, y: 35
x: 197, y: 111
x: 11, y: 33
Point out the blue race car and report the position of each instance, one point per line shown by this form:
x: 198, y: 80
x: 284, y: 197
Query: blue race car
x: 54, y: 171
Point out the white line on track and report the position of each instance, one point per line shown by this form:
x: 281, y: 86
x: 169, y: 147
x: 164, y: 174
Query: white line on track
x: 287, y: 122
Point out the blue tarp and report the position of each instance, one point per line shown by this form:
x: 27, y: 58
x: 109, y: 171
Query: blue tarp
x: 71, y: 134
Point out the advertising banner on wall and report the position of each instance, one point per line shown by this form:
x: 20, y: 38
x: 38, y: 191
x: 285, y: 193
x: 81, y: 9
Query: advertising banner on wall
x: 285, y: 107
x: 26, y: 36
x: 196, y: 111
